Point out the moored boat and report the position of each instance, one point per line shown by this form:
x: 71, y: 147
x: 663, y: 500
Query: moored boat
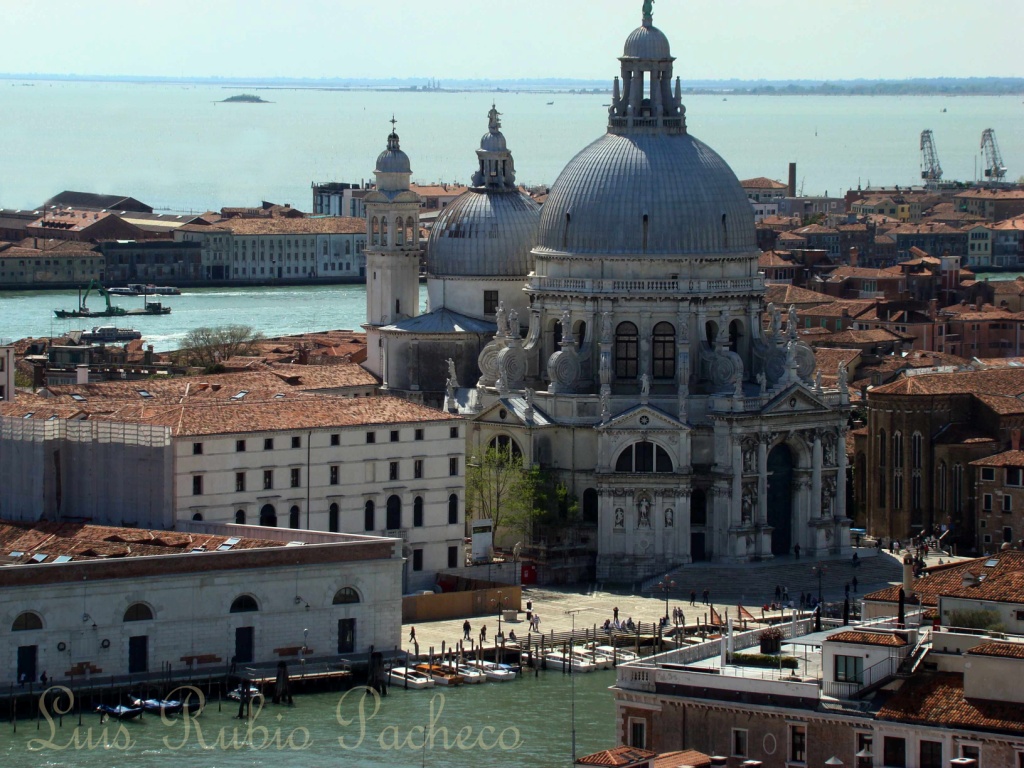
x: 621, y: 655
x: 404, y: 677
x: 166, y: 706
x: 440, y: 677
x: 120, y: 712
x: 497, y: 673
x: 470, y: 675
x: 106, y: 334
x: 237, y: 693
x: 563, y: 661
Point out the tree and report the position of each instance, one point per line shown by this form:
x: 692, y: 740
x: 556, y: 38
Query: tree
x: 501, y: 489
x: 208, y: 347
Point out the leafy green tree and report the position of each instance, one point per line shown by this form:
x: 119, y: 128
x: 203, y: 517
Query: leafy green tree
x: 979, y: 619
x: 500, y: 488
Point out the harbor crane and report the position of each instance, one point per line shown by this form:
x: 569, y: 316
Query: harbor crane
x: 994, y: 168
x: 930, y: 168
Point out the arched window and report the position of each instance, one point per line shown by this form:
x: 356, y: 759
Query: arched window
x: 394, y: 513
x: 346, y: 595
x: 642, y: 458
x: 417, y: 512
x: 626, y: 338
x: 240, y: 517
x: 590, y: 506
x: 244, y: 604
x: 916, y: 442
x: 664, y: 361
x: 138, y: 612
x: 27, y: 621
x: 374, y: 231
x: 453, y: 509
x: 383, y: 231
x: 333, y: 523
x: 507, y: 446
x: 940, y: 486
x: 958, y: 487
x: 399, y: 232
x: 897, y: 449
x: 198, y: 517
x: 711, y: 331
x: 368, y: 517
x: 268, y: 516
x: 293, y: 517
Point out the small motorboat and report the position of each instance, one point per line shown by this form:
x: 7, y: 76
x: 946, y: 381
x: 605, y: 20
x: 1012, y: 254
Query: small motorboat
x: 470, y: 675
x: 120, y: 712
x: 166, y: 706
x: 404, y: 677
x: 562, y: 661
x: 594, y: 656
x: 237, y: 693
x: 497, y: 673
x: 109, y: 334
x: 621, y: 655
x: 440, y: 677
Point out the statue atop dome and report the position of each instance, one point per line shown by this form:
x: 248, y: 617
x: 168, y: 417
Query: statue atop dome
x: 494, y: 123
x: 648, y: 12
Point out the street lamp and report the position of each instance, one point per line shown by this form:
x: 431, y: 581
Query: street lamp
x: 666, y: 585
x: 500, y: 602
x: 820, y: 570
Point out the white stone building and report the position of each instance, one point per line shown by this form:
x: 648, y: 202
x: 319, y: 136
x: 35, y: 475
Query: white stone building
x: 644, y: 380
x: 89, y: 601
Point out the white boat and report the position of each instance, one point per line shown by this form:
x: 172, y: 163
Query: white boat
x: 497, y: 673
x: 599, y: 658
x: 559, y: 660
x: 470, y: 675
x: 404, y: 677
x: 439, y: 675
x: 110, y: 334
x: 622, y: 656
x: 237, y: 693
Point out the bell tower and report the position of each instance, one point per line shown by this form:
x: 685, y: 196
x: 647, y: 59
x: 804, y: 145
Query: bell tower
x: 392, y: 249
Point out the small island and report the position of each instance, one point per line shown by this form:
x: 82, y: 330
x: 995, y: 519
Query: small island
x: 244, y: 98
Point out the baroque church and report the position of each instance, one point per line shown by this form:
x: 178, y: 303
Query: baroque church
x: 614, y: 337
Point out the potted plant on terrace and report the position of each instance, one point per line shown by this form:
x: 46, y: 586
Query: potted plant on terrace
x: 771, y: 640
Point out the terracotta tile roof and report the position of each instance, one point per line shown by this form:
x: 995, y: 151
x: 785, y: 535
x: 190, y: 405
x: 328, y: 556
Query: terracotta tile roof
x: 784, y: 295
x: 90, y: 542
x: 780, y: 221
x: 816, y: 229
x: 991, y: 194
x: 829, y: 358
x: 867, y: 638
x: 846, y: 273
x: 1006, y: 381
x: 762, y: 182
x: 1002, y: 581
x: 775, y: 259
x: 791, y: 237
x: 437, y: 190
x: 619, y: 756
x: 686, y: 758
x: 1015, y: 224
x: 1001, y: 650
x: 925, y: 229
x: 324, y: 225
x: 869, y: 336
x: 837, y: 308
x: 244, y: 416
x: 938, y: 700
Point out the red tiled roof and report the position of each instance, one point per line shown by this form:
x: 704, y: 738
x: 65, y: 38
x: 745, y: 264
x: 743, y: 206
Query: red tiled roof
x: 762, y: 182
x: 999, y: 381
x: 938, y: 700
x: 1000, y: 650
x: 867, y: 638
x: 1005, y: 459
x: 324, y: 225
x: 688, y: 758
x: 1003, y: 581
x: 619, y: 756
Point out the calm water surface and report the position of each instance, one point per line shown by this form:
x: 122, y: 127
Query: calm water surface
x: 537, y: 708
x: 173, y: 147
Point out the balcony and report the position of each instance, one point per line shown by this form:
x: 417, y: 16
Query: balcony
x: 659, y: 287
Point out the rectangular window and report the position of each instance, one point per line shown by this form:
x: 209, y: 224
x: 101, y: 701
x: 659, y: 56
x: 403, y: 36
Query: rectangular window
x: 417, y: 513
x: 417, y: 468
x: 986, y: 503
x: 972, y: 752
x: 417, y: 559
x: 453, y: 467
x: 453, y: 433
x: 1013, y: 476
x: 638, y: 733
x: 296, y: 442
x: 239, y: 482
x: 739, y: 742
x: 393, y: 470
x: 453, y: 557
x: 798, y: 743
x: 1007, y: 503
x: 894, y: 752
x: 490, y: 302
x: 335, y: 439
x: 849, y: 669
x: 371, y: 437
x: 394, y: 435
x: 296, y: 477
x: 240, y: 446
x: 268, y: 444
x: 419, y: 434
x: 197, y: 485
x: 334, y: 474
x: 268, y: 479
x: 197, y: 449
x: 931, y: 754
x: 988, y: 473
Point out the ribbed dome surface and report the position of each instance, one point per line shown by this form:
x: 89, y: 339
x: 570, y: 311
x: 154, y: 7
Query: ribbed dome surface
x: 484, y: 233
x: 393, y: 159
x: 493, y: 142
x: 692, y: 200
x: 647, y: 43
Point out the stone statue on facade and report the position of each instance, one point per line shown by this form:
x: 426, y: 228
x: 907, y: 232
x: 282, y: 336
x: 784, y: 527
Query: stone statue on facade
x: 843, y: 375
x: 791, y: 321
x: 645, y: 385
x: 566, y: 327
x: 493, y: 119
x: 644, y: 508
x: 817, y: 380
x: 499, y: 318
x: 648, y: 8
x: 452, y: 376
x: 762, y: 382
x: 776, y: 318
x: 513, y: 323
x: 620, y: 517
x: 670, y: 517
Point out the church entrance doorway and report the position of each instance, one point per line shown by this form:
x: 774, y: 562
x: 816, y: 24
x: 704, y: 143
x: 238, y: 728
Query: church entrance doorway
x: 780, y: 499
x: 698, y: 524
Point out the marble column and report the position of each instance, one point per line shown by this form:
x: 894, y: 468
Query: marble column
x: 816, y: 473
x: 645, y: 344
x: 840, y: 506
x: 683, y: 524
x: 736, y: 504
x: 762, y: 480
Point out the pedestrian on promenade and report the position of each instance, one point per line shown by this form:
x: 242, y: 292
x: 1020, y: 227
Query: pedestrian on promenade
x: 705, y: 595
x: 693, y: 597
x: 796, y: 551
x: 465, y: 629
x: 785, y: 594
x: 615, y: 613
x: 483, y: 634
x: 847, y: 588
x: 778, y: 593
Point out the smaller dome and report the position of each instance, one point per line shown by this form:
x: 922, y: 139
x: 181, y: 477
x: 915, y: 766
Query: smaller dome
x: 647, y: 43
x: 493, y: 142
x: 393, y: 159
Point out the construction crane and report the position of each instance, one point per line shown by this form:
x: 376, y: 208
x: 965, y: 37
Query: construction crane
x: 930, y: 168
x: 994, y: 168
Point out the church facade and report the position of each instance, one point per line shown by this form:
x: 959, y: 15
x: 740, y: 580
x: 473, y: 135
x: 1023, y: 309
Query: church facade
x: 635, y: 365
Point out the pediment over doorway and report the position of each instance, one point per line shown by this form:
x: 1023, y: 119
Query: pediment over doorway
x: 642, y: 418
x: 796, y: 399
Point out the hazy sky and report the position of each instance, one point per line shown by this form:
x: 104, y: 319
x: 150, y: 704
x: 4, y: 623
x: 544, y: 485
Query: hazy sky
x: 496, y: 39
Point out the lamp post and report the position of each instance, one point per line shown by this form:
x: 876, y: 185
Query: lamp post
x: 820, y: 570
x: 500, y: 602
x: 666, y: 585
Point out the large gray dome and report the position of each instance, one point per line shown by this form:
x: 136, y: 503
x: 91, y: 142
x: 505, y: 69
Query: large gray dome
x: 484, y: 233
x: 647, y: 193
x: 647, y: 43
x: 393, y: 159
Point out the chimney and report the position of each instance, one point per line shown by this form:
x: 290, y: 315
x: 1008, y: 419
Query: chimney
x: 908, y: 575
x: 147, y: 357
x: 791, y: 191
x: 81, y: 374
x: 933, y: 308
x: 1015, y: 439
x: 854, y: 256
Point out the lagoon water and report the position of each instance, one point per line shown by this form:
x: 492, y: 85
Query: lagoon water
x: 528, y: 722
x: 174, y: 147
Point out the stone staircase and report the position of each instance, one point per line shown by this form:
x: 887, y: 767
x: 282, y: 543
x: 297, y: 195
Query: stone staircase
x: 754, y: 584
